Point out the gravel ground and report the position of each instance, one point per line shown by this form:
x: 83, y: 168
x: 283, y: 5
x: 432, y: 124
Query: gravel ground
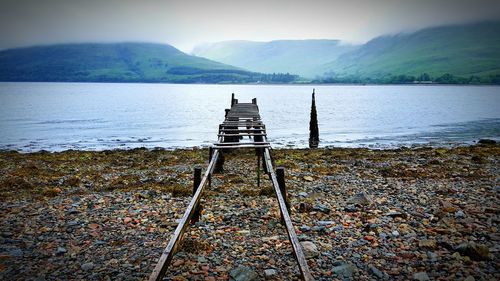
x: 411, y: 213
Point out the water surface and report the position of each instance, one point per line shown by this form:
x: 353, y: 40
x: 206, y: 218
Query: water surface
x: 95, y: 116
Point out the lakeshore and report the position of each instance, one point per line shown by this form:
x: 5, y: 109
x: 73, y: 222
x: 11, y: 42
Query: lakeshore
x: 398, y: 214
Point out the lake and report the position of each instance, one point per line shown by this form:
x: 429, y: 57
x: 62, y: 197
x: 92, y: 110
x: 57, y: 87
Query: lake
x: 97, y: 116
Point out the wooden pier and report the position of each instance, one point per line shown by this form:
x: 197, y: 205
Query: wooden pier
x: 242, y: 128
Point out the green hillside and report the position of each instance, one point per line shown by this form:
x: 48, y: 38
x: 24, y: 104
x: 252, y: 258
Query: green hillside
x: 302, y: 57
x: 461, y: 50
x: 120, y: 62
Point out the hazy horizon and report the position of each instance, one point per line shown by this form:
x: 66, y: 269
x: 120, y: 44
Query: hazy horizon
x: 186, y: 24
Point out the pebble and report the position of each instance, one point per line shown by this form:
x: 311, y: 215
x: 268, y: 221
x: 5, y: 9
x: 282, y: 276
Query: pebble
x: 310, y: 249
x: 474, y: 250
x: 375, y: 271
x: 270, y: 273
x: 87, y: 266
x: 412, y: 202
x: 421, y: 276
x: 60, y: 251
x: 346, y: 270
x: 243, y: 273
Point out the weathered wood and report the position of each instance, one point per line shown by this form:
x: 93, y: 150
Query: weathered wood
x: 168, y: 252
x: 297, y: 248
x: 280, y: 176
x: 196, y: 184
x: 313, y: 125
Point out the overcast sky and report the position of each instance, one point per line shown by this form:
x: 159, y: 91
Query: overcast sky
x: 185, y: 23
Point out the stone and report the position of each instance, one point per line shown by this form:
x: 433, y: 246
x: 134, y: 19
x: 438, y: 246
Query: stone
x: 345, y: 270
x: 60, y: 251
x: 421, y: 276
x: 375, y: 271
x: 303, y: 194
x: 427, y: 243
x: 360, y: 199
x: 321, y: 208
x: 487, y: 141
x: 308, y: 178
x: 473, y: 250
x: 304, y: 228
x: 310, y: 249
x: 243, y: 273
x: 325, y: 223
x: 459, y: 214
x: 87, y: 266
x: 270, y: 273
x: 433, y: 257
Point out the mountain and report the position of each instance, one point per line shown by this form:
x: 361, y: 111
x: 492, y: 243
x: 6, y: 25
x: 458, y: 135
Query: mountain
x: 118, y: 62
x: 458, y: 50
x: 302, y: 57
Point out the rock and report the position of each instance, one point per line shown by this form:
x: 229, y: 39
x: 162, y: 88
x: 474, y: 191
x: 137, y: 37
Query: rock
x: 305, y: 207
x: 487, y: 141
x: 395, y: 233
x: 433, y: 257
x: 270, y: 273
x: 394, y: 214
x: 431, y: 244
x: 202, y: 259
x: 360, y: 199
x: 73, y: 211
x: 18, y: 253
x: 325, y: 223
x: 303, y: 194
x: 87, y: 266
x: 304, y: 228
x: 127, y: 220
x: 308, y: 178
x: 346, y: 270
x: 375, y: 271
x: 243, y: 273
x: 473, y: 250
x: 459, y: 214
x: 421, y: 276
x: 60, y: 251
x: 321, y: 208
x: 351, y: 209
x: 310, y: 249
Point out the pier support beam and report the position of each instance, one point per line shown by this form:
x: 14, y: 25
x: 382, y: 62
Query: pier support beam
x: 196, y: 184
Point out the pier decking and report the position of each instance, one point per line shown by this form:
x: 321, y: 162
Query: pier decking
x: 242, y: 128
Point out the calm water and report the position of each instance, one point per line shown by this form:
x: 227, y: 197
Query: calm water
x: 60, y: 116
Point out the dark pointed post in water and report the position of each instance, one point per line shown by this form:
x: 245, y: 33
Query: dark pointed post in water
x: 313, y: 125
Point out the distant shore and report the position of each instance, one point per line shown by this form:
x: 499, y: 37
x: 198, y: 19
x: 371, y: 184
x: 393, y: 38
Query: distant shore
x: 390, y: 214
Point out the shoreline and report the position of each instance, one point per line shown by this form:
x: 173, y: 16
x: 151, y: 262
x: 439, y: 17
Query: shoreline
x: 384, y: 214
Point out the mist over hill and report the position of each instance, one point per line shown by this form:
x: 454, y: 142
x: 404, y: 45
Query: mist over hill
x: 457, y: 50
x: 301, y: 57
x: 120, y: 62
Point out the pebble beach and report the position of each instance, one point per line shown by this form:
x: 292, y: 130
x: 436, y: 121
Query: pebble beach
x: 422, y: 213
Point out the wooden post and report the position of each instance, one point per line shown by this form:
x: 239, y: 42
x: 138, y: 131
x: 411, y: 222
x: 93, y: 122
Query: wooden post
x: 254, y: 101
x: 227, y: 111
x: 280, y: 177
x: 196, y: 184
x: 210, y: 154
x: 219, y: 164
x: 258, y: 170
x: 313, y: 125
x: 232, y: 99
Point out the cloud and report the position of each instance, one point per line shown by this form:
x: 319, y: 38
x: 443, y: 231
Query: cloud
x: 185, y: 23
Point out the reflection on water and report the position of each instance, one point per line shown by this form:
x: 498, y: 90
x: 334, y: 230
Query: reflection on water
x: 60, y: 116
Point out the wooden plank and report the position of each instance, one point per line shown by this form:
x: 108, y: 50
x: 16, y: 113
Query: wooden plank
x: 240, y: 135
x: 169, y: 251
x: 243, y: 146
x: 297, y: 248
x: 239, y: 143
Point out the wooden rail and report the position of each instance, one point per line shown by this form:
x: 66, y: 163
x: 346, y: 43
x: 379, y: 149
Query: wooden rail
x: 246, y: 116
